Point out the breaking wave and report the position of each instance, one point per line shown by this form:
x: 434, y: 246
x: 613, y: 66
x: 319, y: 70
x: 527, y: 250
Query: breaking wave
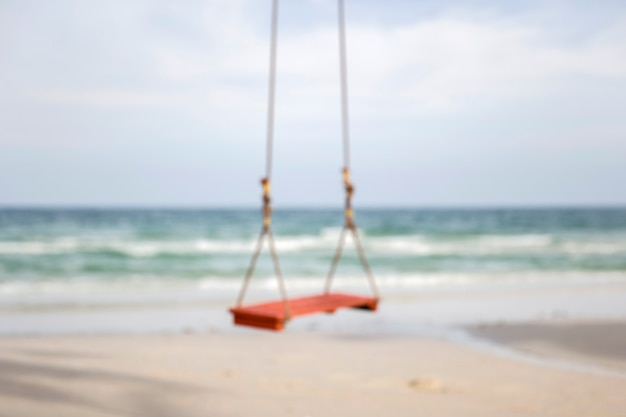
x: 416, y: 245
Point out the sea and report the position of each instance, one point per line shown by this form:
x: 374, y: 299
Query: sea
x: 93, y: 251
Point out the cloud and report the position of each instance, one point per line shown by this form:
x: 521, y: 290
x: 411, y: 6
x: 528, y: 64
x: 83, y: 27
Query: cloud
x: 216, y: 56
x: 102, y: 98
x: 455, y: 59
x: 438, y: 64
x: 431, y: 66
x: 174, y: 66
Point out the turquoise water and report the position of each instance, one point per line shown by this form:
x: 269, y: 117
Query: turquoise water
x: 44, y: 250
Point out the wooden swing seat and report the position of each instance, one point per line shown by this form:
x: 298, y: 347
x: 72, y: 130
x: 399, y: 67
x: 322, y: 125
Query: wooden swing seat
x: 271, y: 315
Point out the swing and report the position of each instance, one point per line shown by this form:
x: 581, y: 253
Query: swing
x: 275, y: 314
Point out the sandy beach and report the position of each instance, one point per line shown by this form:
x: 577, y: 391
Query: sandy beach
x: 539, y: 352
x: 288, y: 375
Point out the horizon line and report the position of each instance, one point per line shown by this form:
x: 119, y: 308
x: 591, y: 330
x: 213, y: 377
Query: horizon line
x: 216, y: 207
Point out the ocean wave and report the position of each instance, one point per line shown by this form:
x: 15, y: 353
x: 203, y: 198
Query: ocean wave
x: 410, y: 245
x: 38, y: 247
x: 295, y: 284
x: 480, y: 245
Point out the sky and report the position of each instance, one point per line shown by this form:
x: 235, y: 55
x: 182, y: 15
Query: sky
x: 452, y: 103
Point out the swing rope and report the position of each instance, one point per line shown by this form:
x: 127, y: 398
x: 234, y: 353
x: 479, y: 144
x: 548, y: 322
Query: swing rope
x: 266, y: 230
x: 350, y: 225
x: 271, y: 94
x: 343, y: 70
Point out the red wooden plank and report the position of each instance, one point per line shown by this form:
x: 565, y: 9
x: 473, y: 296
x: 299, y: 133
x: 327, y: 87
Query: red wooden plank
x: 271, y: 315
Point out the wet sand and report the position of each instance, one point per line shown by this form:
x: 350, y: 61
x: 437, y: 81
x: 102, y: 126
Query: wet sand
x: 596, y: 343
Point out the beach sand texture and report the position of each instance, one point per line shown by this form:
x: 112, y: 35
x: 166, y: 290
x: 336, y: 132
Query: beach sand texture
x: 290, y: 374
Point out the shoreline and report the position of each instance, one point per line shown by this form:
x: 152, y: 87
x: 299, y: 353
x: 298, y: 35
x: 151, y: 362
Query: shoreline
x: 576, y: 324
x: 596, y: 345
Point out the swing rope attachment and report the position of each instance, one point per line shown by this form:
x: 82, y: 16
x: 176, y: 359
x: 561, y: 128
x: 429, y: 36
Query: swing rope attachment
x: 349, y: 213
x: 350, y: 227
x: 266, y: 232
x: 267, y: 204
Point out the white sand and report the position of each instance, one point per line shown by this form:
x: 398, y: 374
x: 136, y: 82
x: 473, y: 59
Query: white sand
x: 289, y: 374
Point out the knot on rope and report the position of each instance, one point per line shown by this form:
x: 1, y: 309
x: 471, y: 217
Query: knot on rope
x: 349, y: 192
x: 346, y: 182
x: 267, y: 208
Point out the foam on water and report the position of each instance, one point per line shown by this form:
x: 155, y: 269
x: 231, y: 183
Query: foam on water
x: 47, y: 251
x: 419, y: 245
x: 394, y: 282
